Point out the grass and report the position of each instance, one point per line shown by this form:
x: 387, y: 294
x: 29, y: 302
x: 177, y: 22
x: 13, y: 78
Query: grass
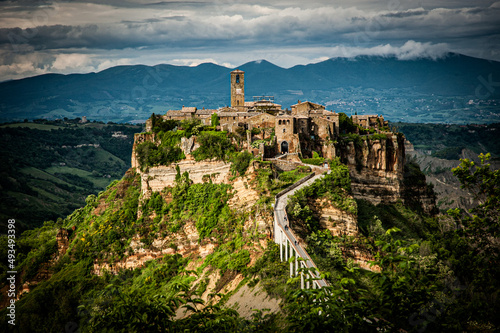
x: 65, y: 169
x: 48, y: 195
x: 42, y: 127
x: 39, y: 174
x: 105, y: 156
x: 100, y: 182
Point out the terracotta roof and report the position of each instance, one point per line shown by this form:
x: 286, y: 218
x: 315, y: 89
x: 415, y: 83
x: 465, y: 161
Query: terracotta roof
x: 175, y: 113
x: 190, y: 109
x: 260, y: 114
x: 310, y: 103
x: 206, y: 111
x: 228, y: 114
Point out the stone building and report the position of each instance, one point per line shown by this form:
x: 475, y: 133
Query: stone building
x: 238, y: 90
x: 306, y: 128
x: 370, y: 121
x: 376, y: 162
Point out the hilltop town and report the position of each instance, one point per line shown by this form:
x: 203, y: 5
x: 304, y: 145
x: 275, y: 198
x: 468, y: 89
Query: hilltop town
x: 307, y: 127
x: 374, y: 154
x: 227, y: 214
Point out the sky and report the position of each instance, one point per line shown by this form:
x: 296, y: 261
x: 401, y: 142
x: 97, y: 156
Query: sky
x: 38, y: 36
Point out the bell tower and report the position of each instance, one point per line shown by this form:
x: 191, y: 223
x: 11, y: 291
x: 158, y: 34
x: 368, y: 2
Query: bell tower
x: 238, y: 89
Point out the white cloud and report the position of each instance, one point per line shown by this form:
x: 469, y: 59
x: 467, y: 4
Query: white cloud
x: 83, y: 36
x: 408, y: 51
x: 64, y: 62
x: 196, y: 62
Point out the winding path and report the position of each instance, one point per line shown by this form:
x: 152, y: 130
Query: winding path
x: 289, y: 244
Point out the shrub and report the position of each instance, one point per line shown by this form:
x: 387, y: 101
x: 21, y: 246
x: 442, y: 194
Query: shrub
x: 240, y: 162
x: 148, y: 154
x: 213, y: 145
x: 163, y: 125
x: 313, y: 161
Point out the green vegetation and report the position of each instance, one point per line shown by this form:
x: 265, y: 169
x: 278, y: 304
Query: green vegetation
x: 269, y: 181
x: 240, y: 162
x: 271, y: 272
x: 162, y: 125
x: 148, y: 154
x: 215, y: 120
x: 213, y: 145
x: 346, y: 125
x: 107, y: 235
x: 315, y: 160
x: 49, y: 168
x: 447, y: 141
x: 205, y: 203
x: 166, y: 148
x: 335, y: 186
x: 423, y: 281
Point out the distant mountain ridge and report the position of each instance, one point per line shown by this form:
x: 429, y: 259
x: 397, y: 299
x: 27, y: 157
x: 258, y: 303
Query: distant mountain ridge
x: 371, y: 84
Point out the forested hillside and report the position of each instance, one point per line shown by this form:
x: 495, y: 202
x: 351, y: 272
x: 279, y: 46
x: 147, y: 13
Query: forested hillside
x: 448, y: 141
x: 49, y: 168
x: 177, y: 259
x: 447, y: 90
x: 430, y: 275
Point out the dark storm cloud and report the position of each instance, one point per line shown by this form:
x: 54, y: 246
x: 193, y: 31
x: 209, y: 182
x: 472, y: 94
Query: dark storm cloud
x: 407, y: 13
x: 62, y: 32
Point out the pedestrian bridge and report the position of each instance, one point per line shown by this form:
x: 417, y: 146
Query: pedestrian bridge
x: 290, y: 246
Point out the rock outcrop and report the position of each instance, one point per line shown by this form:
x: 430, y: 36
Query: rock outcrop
x: 376, y: 168
x: 378, y: 175
x: 339, y: 222
x: 157, y: 178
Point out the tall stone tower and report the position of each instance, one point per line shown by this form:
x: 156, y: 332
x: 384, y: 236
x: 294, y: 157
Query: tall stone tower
x: 238, y: 89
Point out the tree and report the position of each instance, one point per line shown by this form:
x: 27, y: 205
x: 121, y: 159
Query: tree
x: 481, y: 223
x: 215, y: 119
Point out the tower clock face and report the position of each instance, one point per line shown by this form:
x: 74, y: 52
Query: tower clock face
x: 238, y: 91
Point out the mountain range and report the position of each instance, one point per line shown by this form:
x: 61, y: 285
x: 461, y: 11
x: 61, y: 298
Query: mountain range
x: 456, y: 89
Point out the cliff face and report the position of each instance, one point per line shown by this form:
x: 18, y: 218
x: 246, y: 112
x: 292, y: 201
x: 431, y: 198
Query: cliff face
x: 138, y: 139
x: 157, y: 178
x: 339, y: 222
x: 376, y: 168
x: 379, y: 174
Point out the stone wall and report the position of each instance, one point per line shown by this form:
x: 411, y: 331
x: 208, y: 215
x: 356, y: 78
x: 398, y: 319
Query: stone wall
x: 157, y: 178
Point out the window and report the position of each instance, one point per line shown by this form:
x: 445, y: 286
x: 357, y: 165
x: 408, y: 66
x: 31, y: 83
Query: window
x: 279, y: 122
x: 238, y: 78
x: 284, y: 130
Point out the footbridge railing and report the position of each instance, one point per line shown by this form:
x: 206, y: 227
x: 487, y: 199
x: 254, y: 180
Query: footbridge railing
x: 289, y: 244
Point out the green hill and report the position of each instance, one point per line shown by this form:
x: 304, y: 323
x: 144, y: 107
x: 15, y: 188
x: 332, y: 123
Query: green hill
x: 456, y: 89
x: 50, y: 168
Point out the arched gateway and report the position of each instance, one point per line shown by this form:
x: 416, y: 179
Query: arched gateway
x: 284, y: 147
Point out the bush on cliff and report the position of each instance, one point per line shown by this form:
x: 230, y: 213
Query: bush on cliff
x: 213, y: 145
